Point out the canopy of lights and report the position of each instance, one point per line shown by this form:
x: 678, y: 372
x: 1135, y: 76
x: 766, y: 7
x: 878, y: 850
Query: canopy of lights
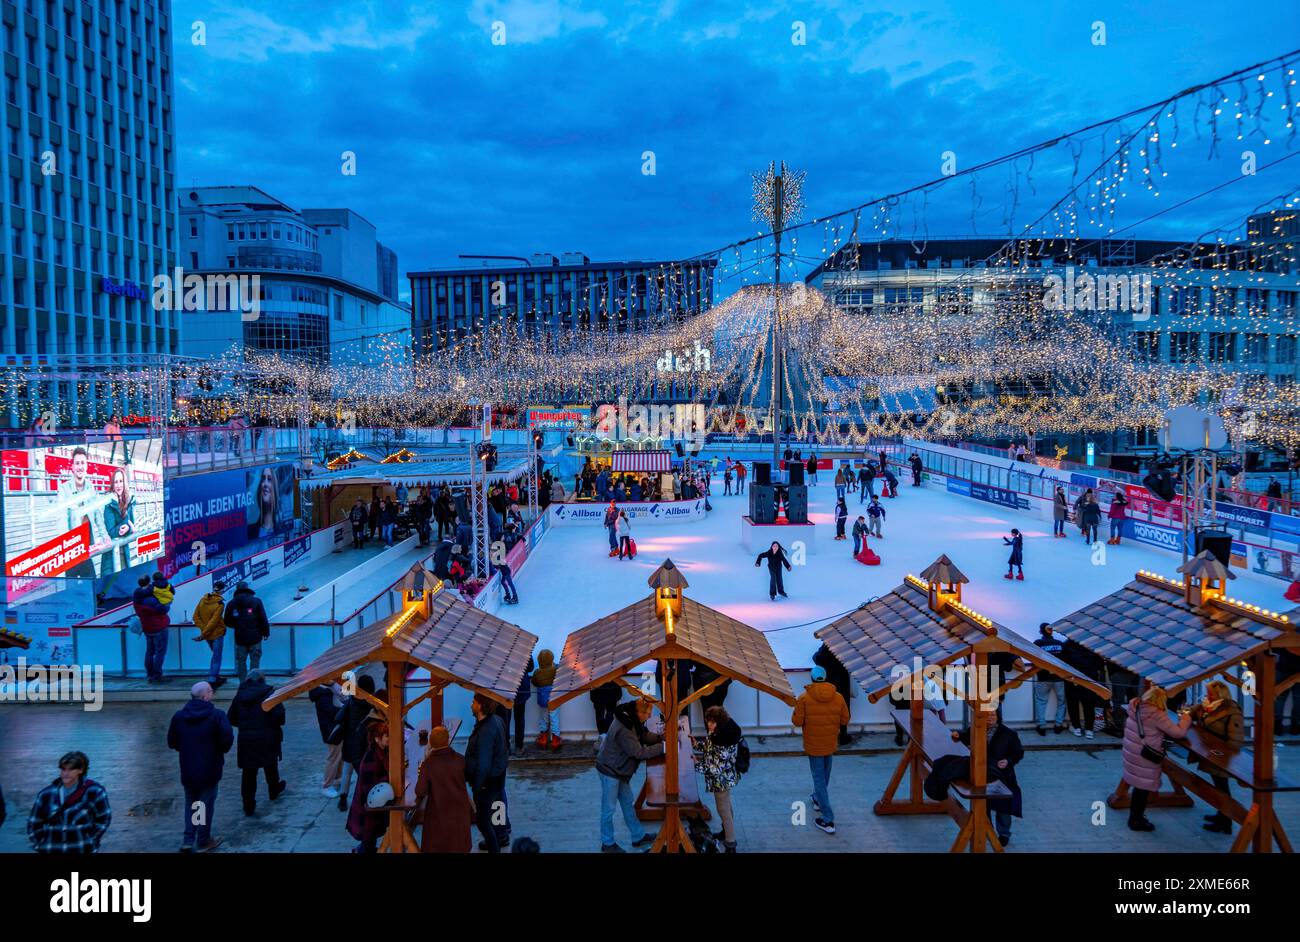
x: 990, y: 348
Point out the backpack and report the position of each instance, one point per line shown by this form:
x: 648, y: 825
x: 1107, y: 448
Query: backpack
x: 742, y: 756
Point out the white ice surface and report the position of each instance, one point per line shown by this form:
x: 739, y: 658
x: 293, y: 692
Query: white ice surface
x: 570, y: 581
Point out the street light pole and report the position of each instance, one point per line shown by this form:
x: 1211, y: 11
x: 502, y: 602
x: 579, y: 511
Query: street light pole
x: 778, y: 219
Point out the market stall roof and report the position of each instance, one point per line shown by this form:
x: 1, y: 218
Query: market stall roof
x: 457, y: 643
x: 1152, y: 628
x: 903, y: 628
x: 433, y: 471
x: 654, y: 460
x: 612, y: 646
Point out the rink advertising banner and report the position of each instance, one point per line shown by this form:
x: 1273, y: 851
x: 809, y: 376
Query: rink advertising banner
x: 1242, y: 516
x: 652, y: 512
x: 80, y: 511
x: 207, y: 509
x: 226, y: 511
x: 568, y: 418
x: 1153, y: 534
x: 295, y: 550
x: 1143, y: 503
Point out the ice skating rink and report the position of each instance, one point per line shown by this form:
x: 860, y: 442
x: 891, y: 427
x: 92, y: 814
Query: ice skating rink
x: 570, y: 580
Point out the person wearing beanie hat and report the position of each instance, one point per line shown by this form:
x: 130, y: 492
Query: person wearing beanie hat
x: 446, y: 815
x: 548, y: 732
x: 821, y: 712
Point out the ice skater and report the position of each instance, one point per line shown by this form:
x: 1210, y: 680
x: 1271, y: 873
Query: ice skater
x: 776, y: 558
x: 841, y: 516
x: 1016, y: 559
x: 876, y: 516
x: 859, y: 534
x: 891, y: 483
x: 611, y: 527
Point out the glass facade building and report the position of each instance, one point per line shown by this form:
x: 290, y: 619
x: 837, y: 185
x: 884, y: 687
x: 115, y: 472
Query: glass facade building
x: 89, y: 210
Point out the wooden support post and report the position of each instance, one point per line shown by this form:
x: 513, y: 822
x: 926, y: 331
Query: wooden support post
x: 396, y: 756
x: 916, y: 710
x: 672, y: 834
x: 1263, y: 771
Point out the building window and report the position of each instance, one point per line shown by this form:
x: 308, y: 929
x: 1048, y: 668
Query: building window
x: 1255, y: 348
x: 1146, y: 346
x: 1285, y: 352
x: 1184, y: 347
x: 1223, y: 347
x: 230, y: 231
x: 1180, y: 302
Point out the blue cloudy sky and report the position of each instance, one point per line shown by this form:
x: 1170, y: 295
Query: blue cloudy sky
x: 536, y: 144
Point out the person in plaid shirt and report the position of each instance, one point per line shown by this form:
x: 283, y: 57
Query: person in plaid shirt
x: 70, y: 814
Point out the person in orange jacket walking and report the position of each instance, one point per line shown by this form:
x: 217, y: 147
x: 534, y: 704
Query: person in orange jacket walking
x: 820, y: 712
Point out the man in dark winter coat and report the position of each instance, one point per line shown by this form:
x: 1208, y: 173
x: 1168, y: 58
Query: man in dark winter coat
x: 442, y: 559
x: 486, y: 756
x: 246, y: 619
x: 443, y: 513
x: 776, y: 558
x: 1002, y: 753
x: 260, y: 734
x: 866, y: 482
x: 155, y: 620
x: 917, y: 467
x: 1080, y: 702
x: 202, y: 735
x: 626, y: 746
x: 357, y: 518
x: 839, y: 678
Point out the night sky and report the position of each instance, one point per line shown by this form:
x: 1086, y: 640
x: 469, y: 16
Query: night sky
x: 537, y: 144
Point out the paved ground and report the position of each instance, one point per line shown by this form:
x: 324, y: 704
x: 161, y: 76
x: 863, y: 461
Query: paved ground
x: 555, y: 799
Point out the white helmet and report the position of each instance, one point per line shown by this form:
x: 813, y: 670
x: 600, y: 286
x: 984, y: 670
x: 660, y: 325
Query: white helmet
x: 380, y: 796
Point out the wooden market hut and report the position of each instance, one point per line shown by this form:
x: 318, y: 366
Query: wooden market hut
x: 452, y: 640
x: 921, y: 633
x: 1177, y: 632
x: 668, y: 627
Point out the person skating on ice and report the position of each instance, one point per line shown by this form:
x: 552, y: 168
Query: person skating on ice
x: 1016, y: 559
x: 776, y: 558
x: 876, y: 515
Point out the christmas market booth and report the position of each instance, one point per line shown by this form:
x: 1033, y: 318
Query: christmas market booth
x: 669, y: 628
x: 445, y: 639
x: 921, y: 642
x: 1176, y: 633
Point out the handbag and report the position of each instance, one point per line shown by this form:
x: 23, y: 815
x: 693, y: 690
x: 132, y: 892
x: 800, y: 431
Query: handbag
x: 1150, y: 753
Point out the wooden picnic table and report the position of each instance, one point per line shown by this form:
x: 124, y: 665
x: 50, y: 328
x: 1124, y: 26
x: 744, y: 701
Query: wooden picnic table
x: 1232, y: 762
x: 935, y: 740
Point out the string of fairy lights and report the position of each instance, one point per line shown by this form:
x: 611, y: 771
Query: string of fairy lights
x: 969, y: 351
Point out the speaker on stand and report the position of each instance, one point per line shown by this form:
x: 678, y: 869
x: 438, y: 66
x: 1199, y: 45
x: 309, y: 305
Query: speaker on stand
x: 762, y: 503
x: 762, y: 472
x: 796, y: 507
x: 1217, y: 542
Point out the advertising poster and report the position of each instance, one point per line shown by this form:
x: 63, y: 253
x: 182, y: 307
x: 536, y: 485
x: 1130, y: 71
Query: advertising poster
x: 48, y: 622
x: 270, y: 501
x: 79, y: 511
x: 227, y: 514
